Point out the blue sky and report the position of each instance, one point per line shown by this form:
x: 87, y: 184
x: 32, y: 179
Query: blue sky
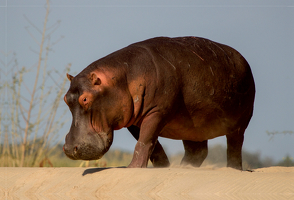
x: 262, y: 31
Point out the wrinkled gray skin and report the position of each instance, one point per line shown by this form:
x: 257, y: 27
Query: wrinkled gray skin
x: 187, y: 88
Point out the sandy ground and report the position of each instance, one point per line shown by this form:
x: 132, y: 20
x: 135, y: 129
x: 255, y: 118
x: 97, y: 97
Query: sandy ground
x: 150, y: 183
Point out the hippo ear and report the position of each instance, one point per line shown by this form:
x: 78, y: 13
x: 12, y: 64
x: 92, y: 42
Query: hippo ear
x: 95, y: 79
x: 70, y: 77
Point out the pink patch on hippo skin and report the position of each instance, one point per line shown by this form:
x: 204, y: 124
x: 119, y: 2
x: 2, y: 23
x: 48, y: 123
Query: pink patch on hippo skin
x: 103, y: 78
x: 86, y: 100
x: 64, y: 98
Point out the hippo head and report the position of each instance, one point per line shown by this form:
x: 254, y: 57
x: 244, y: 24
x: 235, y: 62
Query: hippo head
x: 96, y: 111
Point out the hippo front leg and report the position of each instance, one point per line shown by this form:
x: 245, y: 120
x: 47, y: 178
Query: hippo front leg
x: 158, y: 156
x: 149, y: 130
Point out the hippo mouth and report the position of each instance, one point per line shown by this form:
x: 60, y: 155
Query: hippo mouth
x: 91, y: 147
x: 84, y: 152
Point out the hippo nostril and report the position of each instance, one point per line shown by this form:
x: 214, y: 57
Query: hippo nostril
x: 75, y: 149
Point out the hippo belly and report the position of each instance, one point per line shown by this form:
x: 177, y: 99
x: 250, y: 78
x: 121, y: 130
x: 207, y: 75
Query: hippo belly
x: 178, y: 131
x: 199, y: 128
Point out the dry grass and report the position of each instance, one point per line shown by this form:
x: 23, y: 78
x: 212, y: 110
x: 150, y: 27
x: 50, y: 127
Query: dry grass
x: 30, y: 115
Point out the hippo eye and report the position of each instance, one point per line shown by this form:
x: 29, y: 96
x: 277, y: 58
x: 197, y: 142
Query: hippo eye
x: 84, y: 101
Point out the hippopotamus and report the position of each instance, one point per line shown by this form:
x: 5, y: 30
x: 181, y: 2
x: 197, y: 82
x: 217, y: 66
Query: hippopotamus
x: 184, y: 88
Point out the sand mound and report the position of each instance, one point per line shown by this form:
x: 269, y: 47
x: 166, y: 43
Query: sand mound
x: 150, y: 183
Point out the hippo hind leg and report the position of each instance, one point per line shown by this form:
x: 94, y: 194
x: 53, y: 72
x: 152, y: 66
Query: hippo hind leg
x: 158, y: 156
x: 195, y: 153
x: 234, y: 149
